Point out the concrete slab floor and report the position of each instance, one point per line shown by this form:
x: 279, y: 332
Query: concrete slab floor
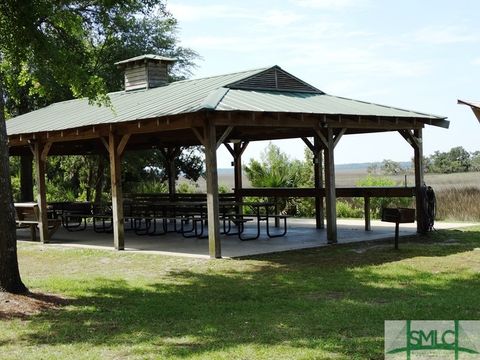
x: 301, y: 234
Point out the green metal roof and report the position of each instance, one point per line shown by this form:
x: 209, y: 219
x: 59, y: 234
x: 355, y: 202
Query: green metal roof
x: 309, y: 103
x: 193, y: 95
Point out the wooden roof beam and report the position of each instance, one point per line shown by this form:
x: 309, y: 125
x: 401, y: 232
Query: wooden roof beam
x: 224, y: 136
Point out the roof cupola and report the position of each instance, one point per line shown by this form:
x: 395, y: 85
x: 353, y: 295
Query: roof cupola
x: 145, y: 71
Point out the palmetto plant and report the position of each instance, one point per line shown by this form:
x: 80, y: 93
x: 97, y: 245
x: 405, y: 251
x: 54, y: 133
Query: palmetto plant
x: 276, y: 169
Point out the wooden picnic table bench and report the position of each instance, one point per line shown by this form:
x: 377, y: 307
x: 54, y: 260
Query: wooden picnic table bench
x: 27, y: 215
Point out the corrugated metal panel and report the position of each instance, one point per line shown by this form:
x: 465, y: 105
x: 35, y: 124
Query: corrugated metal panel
x: 175, y: 98
x: 190, y: 96
x: 270, y: 101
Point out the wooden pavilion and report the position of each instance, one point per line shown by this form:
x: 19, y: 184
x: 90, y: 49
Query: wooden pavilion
x: 232, y: 109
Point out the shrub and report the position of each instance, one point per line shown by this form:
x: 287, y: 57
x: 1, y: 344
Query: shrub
x: 346, y: 209
x: 187, y: 187
x: 376, y: 204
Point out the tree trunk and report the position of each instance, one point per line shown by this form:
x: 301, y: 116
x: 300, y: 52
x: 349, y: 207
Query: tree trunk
x: 10, y: 280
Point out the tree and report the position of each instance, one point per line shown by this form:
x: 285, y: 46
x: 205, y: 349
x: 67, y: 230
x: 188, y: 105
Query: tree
x: 475, y: 161
x: 453, y: 161
x: 275, y: 169
x: 74, y: 177
x: 58, y: 38
x: 390, y: 167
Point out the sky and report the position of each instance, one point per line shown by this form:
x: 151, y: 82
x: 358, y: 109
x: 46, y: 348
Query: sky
x: 417, y: 55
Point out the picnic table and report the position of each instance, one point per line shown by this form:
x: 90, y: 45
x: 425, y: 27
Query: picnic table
x: 27, y: 215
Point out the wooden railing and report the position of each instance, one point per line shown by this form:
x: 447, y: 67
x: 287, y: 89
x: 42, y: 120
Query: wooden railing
x: 365, y: 192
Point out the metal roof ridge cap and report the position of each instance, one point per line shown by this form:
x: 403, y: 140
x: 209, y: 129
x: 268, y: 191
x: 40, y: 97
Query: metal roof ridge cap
x: 214, y: 98
x: 257, y: 70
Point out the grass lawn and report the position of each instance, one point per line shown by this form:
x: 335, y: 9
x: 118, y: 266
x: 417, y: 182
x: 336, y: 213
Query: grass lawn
x: 326, y: 303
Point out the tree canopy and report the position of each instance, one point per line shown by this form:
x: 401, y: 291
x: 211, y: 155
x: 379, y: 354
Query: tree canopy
x: 52, y: 50
x: 128, y: 35
x: 455, y: 160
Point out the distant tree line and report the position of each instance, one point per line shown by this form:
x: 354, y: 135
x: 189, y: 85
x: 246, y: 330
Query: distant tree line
x: 455, y: 160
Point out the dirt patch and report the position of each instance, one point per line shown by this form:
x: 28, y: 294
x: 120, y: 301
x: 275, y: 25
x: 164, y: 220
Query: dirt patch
x: 23, y: 306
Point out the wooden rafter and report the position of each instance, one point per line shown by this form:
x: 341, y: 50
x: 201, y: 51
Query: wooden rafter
x: 199, y: 135
x: 224, y: 136
x: 309, y: 144
x: 45, y: 150
x: 339, y: 136
x: 122, y: 144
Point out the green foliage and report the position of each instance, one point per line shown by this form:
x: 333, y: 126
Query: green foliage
x: 475, y: 161
x: 322, y: 303
x: 187, y: 187
x: 306, y: 207
x: 453, y: 161
x: 15, y: 187
x: 378, y: 203
x: 56, y: 50
x: 275, y: 169
x: 146, y: 187
x: 14, y: 162
x: 223, y: 189
x: 375, y: 181
x: 347, y: 209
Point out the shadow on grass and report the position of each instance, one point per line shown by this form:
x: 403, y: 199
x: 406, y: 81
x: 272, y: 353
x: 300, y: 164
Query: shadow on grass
x: 330, y: 299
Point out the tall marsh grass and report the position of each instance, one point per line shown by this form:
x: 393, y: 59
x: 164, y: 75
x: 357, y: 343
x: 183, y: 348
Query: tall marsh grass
x: 458, y: 203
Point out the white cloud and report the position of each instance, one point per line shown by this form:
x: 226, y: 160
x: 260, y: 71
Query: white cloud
x: 329, y: 4
x: 280, y: 18
x: 440, y: 35
x: 188, y: 13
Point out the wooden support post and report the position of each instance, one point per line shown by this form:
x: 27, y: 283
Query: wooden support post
x: 117, y: 196
x: 330, y: 191
x: 26, y: 178
x: 214, y: 245
x: 318, y: 182
x: 238, y: 149
x: 40, y: 164
x: 171, y: 178
x: 236, y: 152
x: 170, y: 154
x: 419, y: 181
x: 366, y: 210
x: 415, y: 139
x: 237, y: 166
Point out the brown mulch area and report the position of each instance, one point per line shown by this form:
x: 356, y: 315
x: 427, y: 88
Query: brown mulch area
x: 23, y: 306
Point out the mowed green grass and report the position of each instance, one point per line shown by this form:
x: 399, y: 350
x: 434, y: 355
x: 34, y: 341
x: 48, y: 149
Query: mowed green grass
x: 326, y: 303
